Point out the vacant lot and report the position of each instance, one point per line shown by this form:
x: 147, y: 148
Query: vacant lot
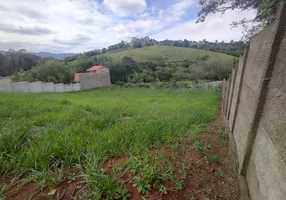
x: 114, y: 143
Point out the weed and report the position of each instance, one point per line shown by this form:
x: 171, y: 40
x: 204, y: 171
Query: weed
x: 3, y: 189
x: 117, y: 169
x: 162, y: 189
x: 72, y: 176
x: 65, y: 102
x: 103, y: 185
x: 224, y: 136
x: 220, y: 173
x: 212, y: 158
x: 143, y: 186
x: 199, y: 146
x: 44, y: 178
x: 179, y: 185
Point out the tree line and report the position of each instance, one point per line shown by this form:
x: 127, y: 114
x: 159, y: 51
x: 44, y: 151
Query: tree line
x: 13, y: 60
x: 232, y: 48
x: 128, y: 70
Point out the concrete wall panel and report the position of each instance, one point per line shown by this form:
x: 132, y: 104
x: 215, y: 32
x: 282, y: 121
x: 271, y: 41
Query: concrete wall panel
x: 49, y: 87
x: 68, y: 88
x: 21, y: 87
x: 255, y: 65
x: 270, y: 171
x: 76, y: 87
x: 241, y: 130
x: 252, y: 181
x: 226, y: 97
x: 36, y: 87
x: 236, y: 91
x: 60, y: 87
x: 6, y: 85
x: 233, y: 77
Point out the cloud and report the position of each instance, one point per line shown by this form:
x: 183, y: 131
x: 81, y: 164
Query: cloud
x: 34, y: 30
x: 82, y: 25
x: 216, y: 27
x: 126, y: 7
x: 3, y: 8
x: 30, y: 13
x: 78, y: 40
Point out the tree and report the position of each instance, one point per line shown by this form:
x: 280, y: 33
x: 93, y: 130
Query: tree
x: 13, y: 60
x: 104, y: 50
x: 136, y: 42
x: 51, y: 71
x: 186, y: 43
x: 266, y: 10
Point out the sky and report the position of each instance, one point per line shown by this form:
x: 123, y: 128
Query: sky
x: 82, y: 25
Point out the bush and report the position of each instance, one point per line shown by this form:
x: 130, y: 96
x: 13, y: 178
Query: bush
x: 120, y: 83
x: 51, y: 71
x: 128, y: 85
x: 144, y: 85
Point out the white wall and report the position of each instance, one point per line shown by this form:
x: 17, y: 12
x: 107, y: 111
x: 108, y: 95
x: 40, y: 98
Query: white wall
x: 37, y: 87
x: 6, y: 85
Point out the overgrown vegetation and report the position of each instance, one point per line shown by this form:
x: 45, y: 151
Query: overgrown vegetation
x: 40, y: 134
x: 50, y: 71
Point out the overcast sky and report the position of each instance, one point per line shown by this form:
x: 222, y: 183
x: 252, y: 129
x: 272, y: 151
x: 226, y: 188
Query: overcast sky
x: 81, y: 25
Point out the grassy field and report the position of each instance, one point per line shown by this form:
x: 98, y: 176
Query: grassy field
x: 40, y: 133
x: 167, y: 53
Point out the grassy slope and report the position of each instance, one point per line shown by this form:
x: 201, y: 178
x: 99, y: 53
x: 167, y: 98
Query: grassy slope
x: 168, y: 53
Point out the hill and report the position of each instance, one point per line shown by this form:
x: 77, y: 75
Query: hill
x: 167, y: 54
x: 58, y: 56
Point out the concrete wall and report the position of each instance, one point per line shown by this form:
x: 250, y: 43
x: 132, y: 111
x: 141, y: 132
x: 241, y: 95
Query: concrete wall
x: 87, y: 81
x: 6, y: 85
x: 38, y: 87
x: 254, y: 103
x: 94, y: 80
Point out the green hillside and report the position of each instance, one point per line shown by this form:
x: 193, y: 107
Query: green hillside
x: 167, y: 53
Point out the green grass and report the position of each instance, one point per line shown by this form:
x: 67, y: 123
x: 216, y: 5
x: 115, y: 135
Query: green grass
x: 167, y: 53
x: 41, y: 133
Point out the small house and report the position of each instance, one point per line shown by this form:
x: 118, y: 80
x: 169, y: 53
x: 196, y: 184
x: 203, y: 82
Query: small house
x: 94, y: 69
x: 96, y: 76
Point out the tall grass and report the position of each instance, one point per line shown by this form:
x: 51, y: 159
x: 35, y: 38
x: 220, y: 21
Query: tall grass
x: 40, y: 132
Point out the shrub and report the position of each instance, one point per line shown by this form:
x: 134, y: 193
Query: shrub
x: 50, y: 71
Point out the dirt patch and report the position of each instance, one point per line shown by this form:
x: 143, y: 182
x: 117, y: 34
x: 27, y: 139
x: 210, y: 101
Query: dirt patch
x: 66, y: 190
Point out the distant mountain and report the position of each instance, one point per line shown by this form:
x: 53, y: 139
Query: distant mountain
x: 58, y: 56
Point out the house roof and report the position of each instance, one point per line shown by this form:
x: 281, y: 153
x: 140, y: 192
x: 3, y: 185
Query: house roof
x: 93, y: 69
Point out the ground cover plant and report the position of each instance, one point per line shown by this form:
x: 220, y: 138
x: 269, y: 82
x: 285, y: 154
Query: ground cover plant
x: 110, y: 143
